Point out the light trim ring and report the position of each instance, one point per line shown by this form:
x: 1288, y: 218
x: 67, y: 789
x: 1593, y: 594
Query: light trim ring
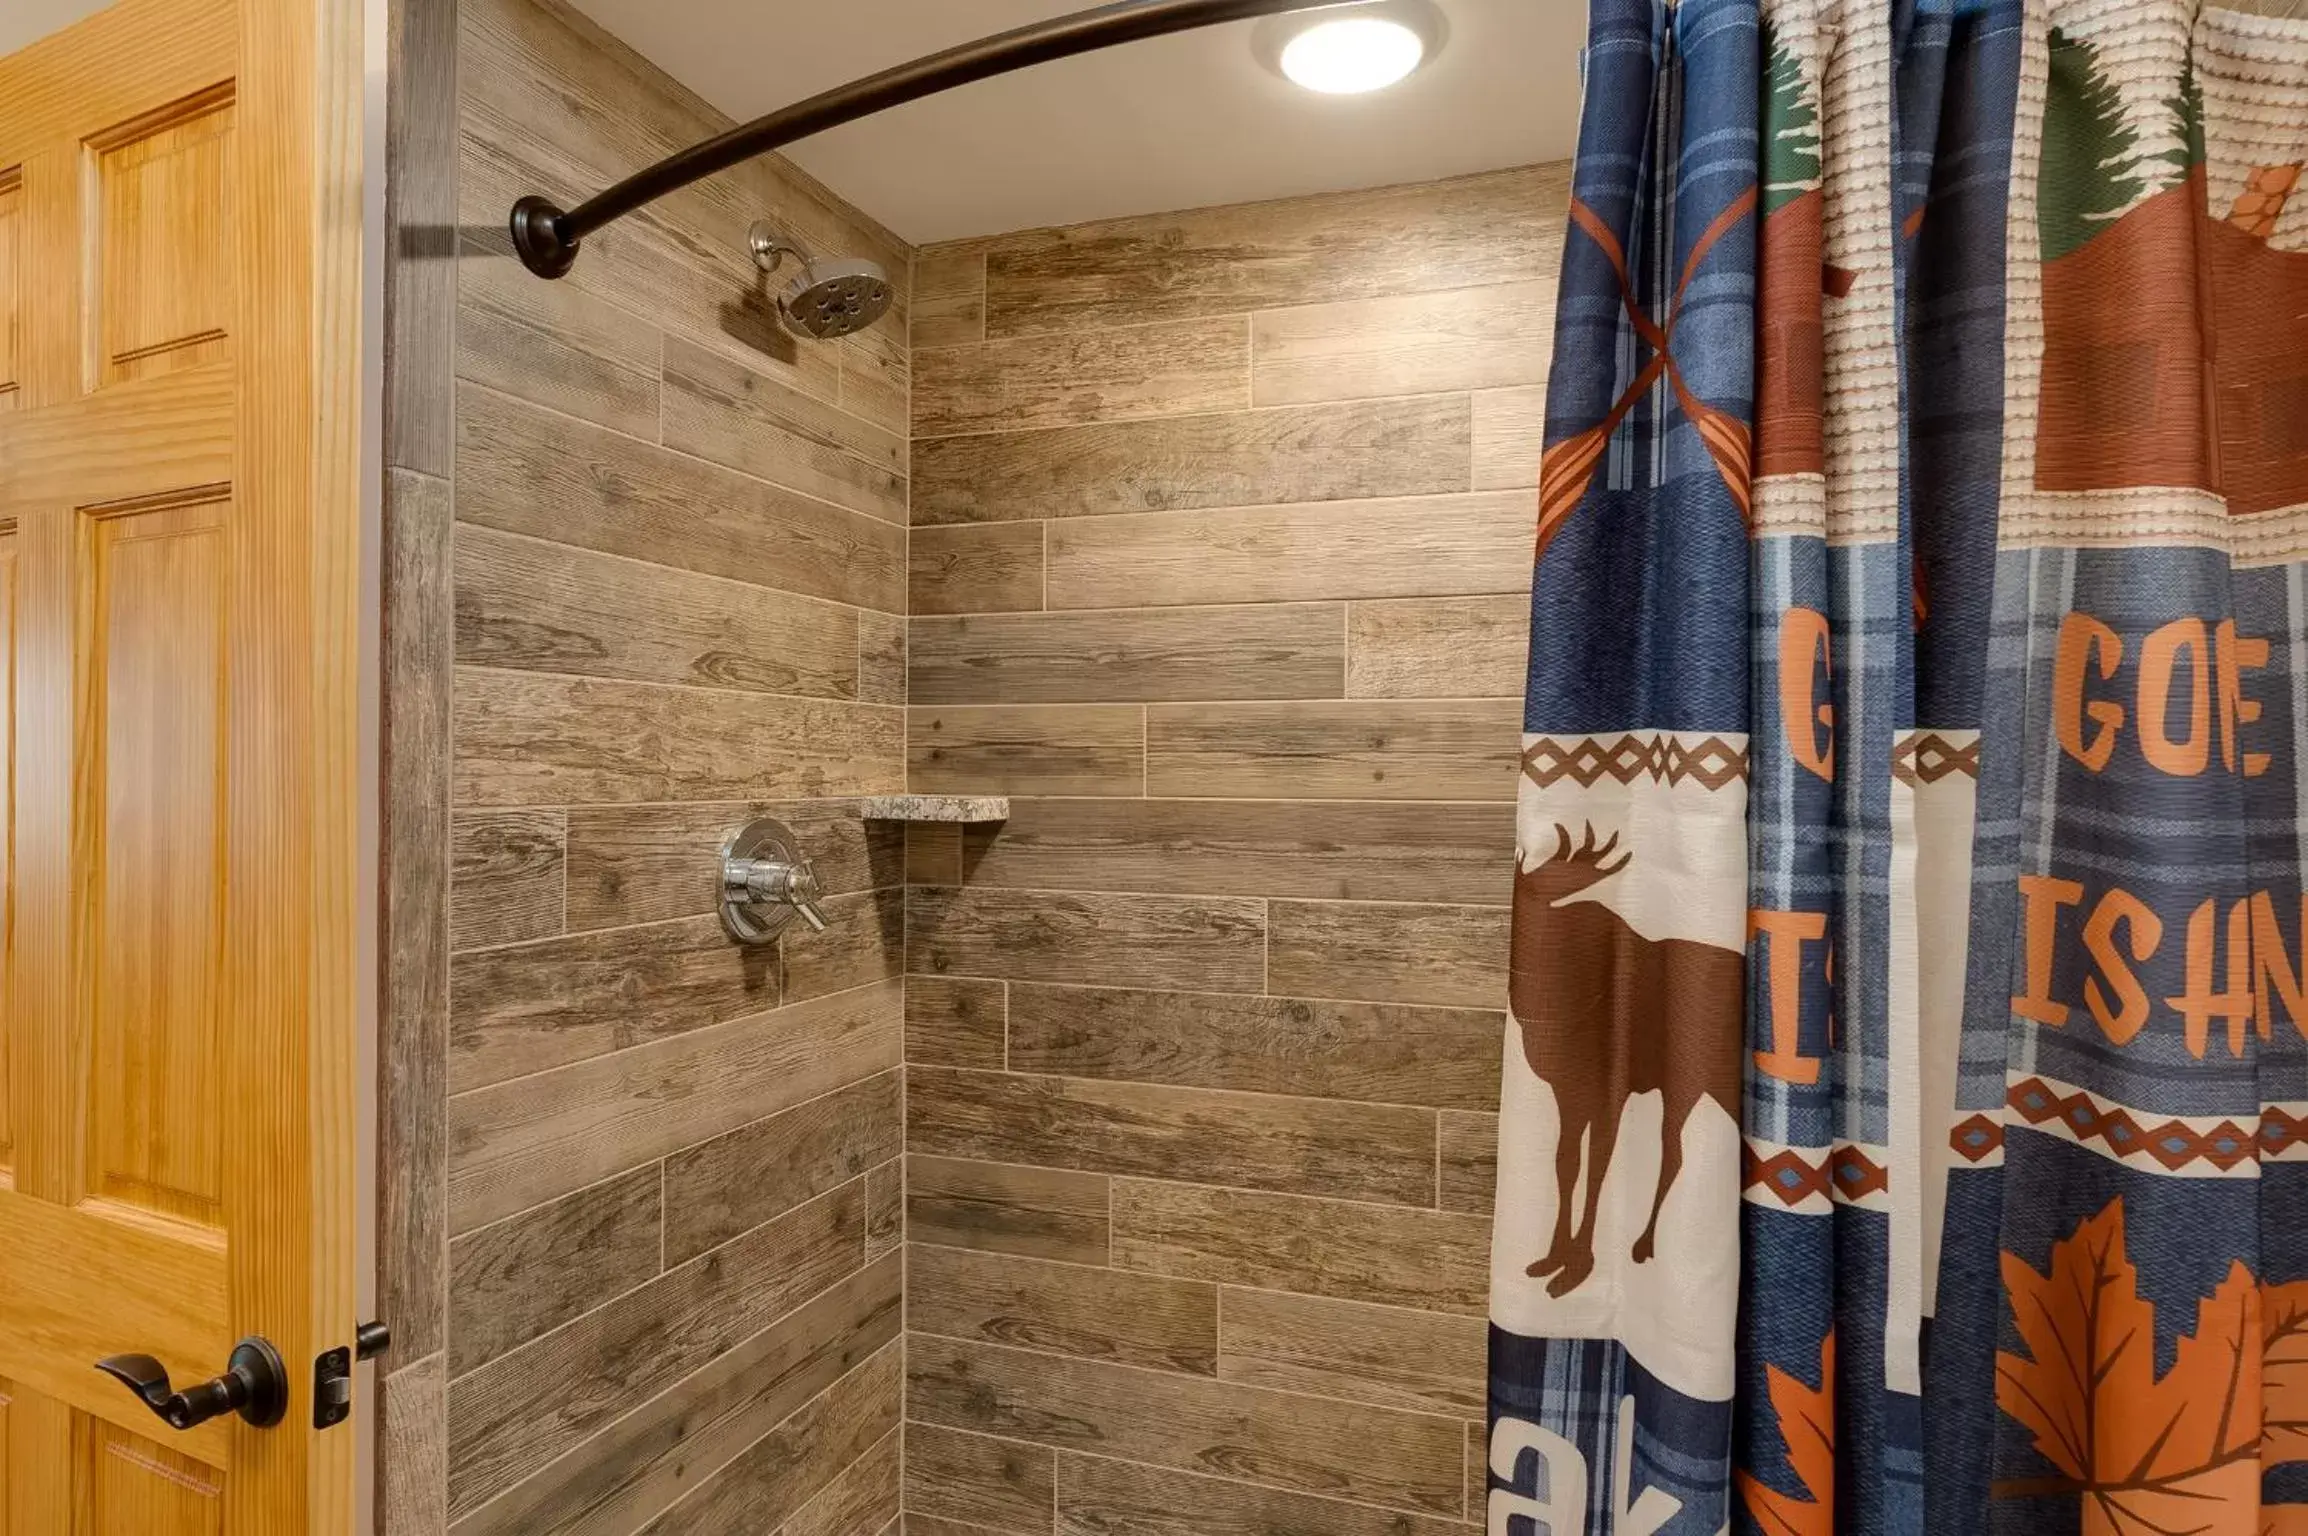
x: 1351, y: 49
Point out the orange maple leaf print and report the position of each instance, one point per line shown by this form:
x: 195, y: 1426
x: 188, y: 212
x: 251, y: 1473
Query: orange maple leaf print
x: 1807, y: 1424
x: 2146, y: 1456
x: 2284, y: 1373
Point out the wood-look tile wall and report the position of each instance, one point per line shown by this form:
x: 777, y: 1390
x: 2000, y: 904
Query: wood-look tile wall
x: 670, y: 1177
x: 1220, y: 569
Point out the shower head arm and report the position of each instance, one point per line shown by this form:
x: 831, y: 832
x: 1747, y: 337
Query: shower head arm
x: 547, y: 236
x: 771, y: 245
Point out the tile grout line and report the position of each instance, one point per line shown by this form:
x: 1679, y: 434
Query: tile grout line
x: 1454, y: 1415
x: 1359, y: 1206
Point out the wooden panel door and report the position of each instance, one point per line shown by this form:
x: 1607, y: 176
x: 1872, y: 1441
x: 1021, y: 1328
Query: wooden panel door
x: 179, y: 366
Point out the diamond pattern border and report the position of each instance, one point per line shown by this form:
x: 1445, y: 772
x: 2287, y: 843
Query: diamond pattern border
x: 1588, y: 760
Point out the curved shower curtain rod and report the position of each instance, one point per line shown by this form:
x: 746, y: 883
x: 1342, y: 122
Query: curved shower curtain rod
x: 547, y: 236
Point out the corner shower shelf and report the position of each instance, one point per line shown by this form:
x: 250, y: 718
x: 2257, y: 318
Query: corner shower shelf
x: 936, y: 808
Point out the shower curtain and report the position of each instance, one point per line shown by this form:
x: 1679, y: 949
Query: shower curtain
x: 1905, y: 1107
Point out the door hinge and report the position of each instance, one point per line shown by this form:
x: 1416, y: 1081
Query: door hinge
x: 333, y: 1373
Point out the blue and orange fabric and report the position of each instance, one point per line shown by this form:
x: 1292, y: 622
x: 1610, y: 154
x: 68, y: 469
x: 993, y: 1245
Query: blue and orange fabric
x: 1905, y: 1105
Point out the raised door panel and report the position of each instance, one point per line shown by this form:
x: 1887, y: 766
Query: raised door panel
x: 163, y: 240
x: 155, y: 777
x: 121, y: 1482
x: 132, y: 1486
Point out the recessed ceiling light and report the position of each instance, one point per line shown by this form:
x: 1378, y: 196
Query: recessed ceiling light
x: 1349, y: 49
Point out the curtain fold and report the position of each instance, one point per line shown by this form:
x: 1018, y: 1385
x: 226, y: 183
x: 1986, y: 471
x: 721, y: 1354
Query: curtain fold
x: 1905, y: 1103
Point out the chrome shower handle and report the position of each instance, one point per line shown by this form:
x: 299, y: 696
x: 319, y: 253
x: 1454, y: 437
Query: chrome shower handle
x: 761, y: 881
x: 765, y: 880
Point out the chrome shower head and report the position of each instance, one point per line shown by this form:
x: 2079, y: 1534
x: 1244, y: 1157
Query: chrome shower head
x: 829, y: 297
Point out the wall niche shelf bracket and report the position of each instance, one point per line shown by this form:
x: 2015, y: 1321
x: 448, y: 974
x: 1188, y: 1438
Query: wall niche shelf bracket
x: 960, y: 808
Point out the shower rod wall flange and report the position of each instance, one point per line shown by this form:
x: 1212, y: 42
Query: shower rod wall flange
x: 547, y: 236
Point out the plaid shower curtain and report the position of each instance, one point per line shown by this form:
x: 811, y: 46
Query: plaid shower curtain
x: 1905, y: 1108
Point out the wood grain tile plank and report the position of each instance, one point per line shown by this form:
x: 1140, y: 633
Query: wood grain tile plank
x: 542, y: 1399
x: 747, y: 420
x: 544, y: 607
x: 415, y: 667
x: 419, y: 333
x: 527, y: 1007
x: 412, y: 1453
x: 1265, y: 651
x: 865, y: 1497
x: 727, y: 1186
x: 1421, y: 546
x: 1359, y: 449
x: 777, y: 1476
x: 1377, y: 851
x: 1250, y: 1141
x: 886, y: 1207
x: 1478, y: 1465
x: 505, y: 876
x: 645, y: 863
x: 864, y: 941
x: 1047, y: 1213
x: 1026, y: 749
x: 976, y: 568
x: 933, y: 850
x: 524, y: 470
x: 877, y: 374
x: 636, y: 1465
x: 533, y: 739
x: 1403, y: 954
x: 1510, y: 431
x: 1170, y: 369
x: 1206, y: 943
x: 1400, y: 1461
x: 1418, y: 343
x: 1468, y: 1146
x: 555, y: 345
x: 1098, y: 1497
x: 515, y: 1144
x: 1438, y: 1261
x: 1496, y: 227
x: 917, y: 1524
x: 952, y: 1021
x: 1375, y: 750
x: 949, y: 296
x: 881, y: 658
x: 1444, y: 1057
x: 528, y: 1274
x: 988, y: 1484
x: 1392, y: 1356
x: 1438, y: 648
x: 1066, y: 1309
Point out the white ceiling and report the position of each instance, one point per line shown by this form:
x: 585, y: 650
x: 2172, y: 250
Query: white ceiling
x: 27, y: 21
x: 1178, y: 122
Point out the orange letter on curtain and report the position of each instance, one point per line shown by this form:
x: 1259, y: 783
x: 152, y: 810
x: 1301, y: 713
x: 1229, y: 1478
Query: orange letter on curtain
x: 1803, y: 637
x: 2083, y: 640
x: 2045, y: 896
x: 2200, y: 1005
x: 2233, y: 654
x: 2120, y: 906
x: 1788, y: 931
x: 2158, y: 657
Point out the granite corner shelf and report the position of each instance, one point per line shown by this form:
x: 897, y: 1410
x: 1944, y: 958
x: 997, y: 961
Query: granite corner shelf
x: 936, y: 808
